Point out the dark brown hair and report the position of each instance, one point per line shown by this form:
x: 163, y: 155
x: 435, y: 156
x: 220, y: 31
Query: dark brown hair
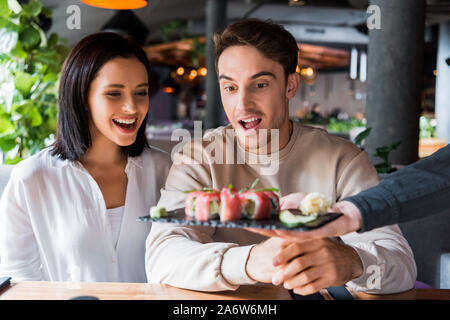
x: 79, y: 70
x: 271, y: 39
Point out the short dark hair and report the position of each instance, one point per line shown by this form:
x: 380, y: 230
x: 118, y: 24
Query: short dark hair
x: 80, y: 68
x: 271, y: 39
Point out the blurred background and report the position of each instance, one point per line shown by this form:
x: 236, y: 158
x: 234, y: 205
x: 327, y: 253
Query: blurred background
x: 375, y: 72
x: 362, y: 65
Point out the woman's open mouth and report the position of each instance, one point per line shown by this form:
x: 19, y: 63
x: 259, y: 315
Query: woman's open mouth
x: 251, y: 123
x: 126, y: 125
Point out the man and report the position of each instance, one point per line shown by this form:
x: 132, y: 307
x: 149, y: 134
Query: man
x: 256, y: 63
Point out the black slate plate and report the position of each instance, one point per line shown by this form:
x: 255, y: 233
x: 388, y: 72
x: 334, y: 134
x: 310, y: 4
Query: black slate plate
x: 178, y: 216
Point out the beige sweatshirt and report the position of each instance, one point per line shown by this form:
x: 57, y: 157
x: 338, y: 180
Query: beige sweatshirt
x: 214, y: 259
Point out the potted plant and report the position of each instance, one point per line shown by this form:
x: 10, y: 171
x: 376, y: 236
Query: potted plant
x: 30, y: 64
x: 384, y: 167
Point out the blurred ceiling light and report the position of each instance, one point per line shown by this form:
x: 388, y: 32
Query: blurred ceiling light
x: 180, y: 71
x: 296, y: 3
x: 116, y: 4
x: 193, y: 74
x: 168, y: 89
x: 307, y: 72
x: 203, y: 71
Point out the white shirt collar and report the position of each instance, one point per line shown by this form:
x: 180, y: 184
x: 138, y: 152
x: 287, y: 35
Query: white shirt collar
x: 58, y: 162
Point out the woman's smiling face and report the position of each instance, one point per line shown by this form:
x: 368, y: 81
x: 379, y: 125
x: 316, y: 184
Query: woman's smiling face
x: 118, y: 100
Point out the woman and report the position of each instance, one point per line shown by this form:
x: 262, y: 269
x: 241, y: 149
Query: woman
x: 69, y: 212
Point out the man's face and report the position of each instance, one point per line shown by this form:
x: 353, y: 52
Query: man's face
x: 254, y: 95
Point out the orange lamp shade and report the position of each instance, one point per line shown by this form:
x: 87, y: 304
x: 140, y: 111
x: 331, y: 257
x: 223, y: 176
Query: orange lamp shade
x: 116, y: 4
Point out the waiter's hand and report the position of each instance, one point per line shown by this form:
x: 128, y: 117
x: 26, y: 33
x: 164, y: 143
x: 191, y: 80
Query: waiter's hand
x: 350, y: 221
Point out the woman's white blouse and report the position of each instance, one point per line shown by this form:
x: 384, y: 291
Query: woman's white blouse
x: 54, y: 225
x: 115, y: 216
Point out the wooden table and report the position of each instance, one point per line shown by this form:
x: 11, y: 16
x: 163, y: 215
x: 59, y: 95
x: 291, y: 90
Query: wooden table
x: 36, y: 290
x: 133, y: 291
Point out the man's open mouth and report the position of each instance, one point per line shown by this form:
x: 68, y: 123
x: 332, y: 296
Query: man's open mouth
x: 126, y: 124
x: 250, y: 123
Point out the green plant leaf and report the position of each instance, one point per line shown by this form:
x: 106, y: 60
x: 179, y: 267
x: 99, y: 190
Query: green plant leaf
x: 35, y: 117
x: 46, y: 12
x: 30, y: 37
x: 6, y: 126
x: 4, y: 9
x: 383, y: 153
x: 52, y: 124
x: 52, y: 40
x: 46, y: 56
x: 18, y: 51
x: 15, y: 160
x: 384, y: 168
x: 8, y: 24
x: 50, y: 77
x: 24, y: 82
x: 7, y: 143
x: 32, y: 8
x: 361, y: 136
x: 22, y: 110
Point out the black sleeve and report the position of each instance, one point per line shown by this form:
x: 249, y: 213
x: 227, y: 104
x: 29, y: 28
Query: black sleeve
x: 413, y: 192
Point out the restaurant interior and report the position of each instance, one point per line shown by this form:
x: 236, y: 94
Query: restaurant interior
x: 398, y: 121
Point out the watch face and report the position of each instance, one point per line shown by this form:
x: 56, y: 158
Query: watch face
x: 448, y: 61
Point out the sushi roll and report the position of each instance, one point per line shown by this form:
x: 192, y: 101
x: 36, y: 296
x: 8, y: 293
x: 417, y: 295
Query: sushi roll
x: 190, y: 203
x: 230, y: 204
x: 274, y: 202
x: 269, y: 192
x: 255, y: 205
x: 207, y: 205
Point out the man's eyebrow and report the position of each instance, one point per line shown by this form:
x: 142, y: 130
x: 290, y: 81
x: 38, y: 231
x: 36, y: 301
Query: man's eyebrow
x: 263, y: 73
x: 222, y: 76
x: 257, y: 75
